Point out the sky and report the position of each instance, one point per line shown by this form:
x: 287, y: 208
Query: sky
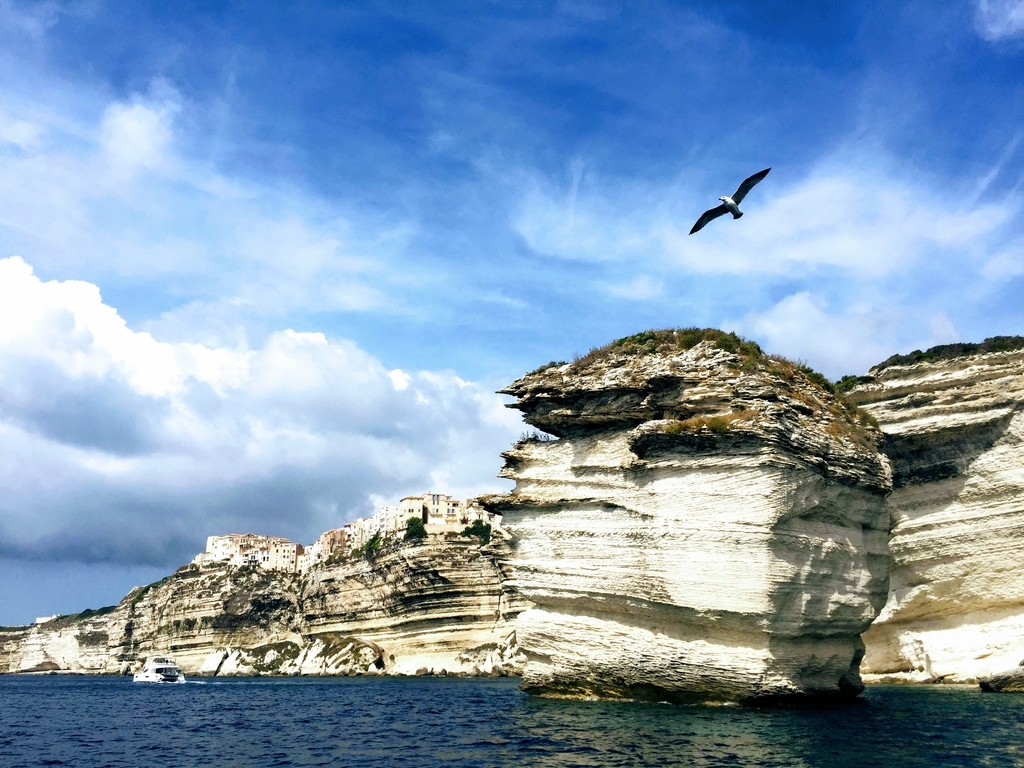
x: 262, y: 268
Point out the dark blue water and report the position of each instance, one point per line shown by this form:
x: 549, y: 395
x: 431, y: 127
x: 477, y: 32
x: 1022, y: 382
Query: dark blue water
x: 423, y: 722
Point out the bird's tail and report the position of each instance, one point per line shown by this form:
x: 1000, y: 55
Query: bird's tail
x: 737, y: 214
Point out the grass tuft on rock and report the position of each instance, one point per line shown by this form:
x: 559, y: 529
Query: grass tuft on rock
x: 719, y: 424
x: 542, y: 368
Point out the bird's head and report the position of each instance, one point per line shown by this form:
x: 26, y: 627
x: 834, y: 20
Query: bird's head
x: 722, y: 198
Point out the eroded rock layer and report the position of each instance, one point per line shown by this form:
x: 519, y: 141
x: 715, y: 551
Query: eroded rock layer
x: 708, y: 524
x: 955, y: 433
x: 424, y: 607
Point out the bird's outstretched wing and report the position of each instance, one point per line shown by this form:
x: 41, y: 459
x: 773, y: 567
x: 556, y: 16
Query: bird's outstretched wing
x: 709, y: 215
x: 747, y: 185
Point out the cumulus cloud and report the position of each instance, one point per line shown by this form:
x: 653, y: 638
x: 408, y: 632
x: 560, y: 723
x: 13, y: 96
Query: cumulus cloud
x: 839, y: 342
x: 121, y: 448
x: 999, y: 19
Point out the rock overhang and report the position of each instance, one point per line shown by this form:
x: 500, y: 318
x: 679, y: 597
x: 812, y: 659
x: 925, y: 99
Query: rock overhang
x: 703, y: 478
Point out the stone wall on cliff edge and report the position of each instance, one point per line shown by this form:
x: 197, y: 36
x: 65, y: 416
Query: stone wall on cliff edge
x: 699, y: 521
x: 954, y: 430
x: 428, y: 606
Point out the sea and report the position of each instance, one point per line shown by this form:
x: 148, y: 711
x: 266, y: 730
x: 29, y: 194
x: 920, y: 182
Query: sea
x: 82, y: 721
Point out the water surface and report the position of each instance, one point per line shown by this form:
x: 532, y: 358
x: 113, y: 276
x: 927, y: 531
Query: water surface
x: 425, y: 722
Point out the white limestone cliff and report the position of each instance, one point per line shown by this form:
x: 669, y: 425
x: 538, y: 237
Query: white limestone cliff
x: 954, y: 431
x: 708, y: 524
x: 414, y: 607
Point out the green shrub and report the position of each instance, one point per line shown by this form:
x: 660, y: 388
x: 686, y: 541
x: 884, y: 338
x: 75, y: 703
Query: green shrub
x: 96, y: 612
x: 373, y: 545
x: 848, y: 382
x: 414, y: 529
x: 816, y: 377
x: 950, y: 351
x: 479, y: 529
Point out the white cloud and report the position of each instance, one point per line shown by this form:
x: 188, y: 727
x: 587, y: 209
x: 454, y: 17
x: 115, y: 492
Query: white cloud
x: 584, y: 222
x: 136, y: 136
x: 399, y: 379
x: 108, y: 190
x: 835, y: 218
x: 1009, y: 263
x: 801, y: 327
x: 842, y: 215
x: 108, y: 434
x: 643, y: 287
x: 21, y: 133
x: 66, y: 324
x: 999, y: 19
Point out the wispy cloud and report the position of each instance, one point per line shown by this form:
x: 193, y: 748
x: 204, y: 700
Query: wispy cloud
x: 841, y: 215
x: 999, y: 19
x: 585, y: 222
x: 114, y: 194
x: 1006, y: 264
x: 986, y: 181
x: 643, y: 287
x: 136, y: 135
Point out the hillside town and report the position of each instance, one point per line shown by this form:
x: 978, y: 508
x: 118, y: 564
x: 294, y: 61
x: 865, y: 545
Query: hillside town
x: 439, y: 513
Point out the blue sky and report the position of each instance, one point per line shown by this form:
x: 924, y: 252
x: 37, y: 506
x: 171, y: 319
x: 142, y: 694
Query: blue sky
x: 263, y: 268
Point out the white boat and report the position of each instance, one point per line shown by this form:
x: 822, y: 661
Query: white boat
x: 159, y: 669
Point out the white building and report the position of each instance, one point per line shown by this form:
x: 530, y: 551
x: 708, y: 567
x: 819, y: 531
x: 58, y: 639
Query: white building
x: 237, y: 549
x: 330, y: 543
x: 439, y: 512
x: 434, y: 509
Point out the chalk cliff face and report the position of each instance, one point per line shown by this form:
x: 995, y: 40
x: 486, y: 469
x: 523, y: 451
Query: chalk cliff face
x: 955, y: 434
x: 430, y: 606
x: 708, y: 524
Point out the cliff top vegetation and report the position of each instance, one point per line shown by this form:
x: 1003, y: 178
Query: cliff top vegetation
x: 663, y: 341
x: 675, y: 340
x: 952, y: 351
x: 669, y: 340
x: 793, y: 379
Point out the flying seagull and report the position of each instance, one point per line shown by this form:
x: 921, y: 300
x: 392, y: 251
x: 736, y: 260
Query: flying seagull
x: 730, y: 204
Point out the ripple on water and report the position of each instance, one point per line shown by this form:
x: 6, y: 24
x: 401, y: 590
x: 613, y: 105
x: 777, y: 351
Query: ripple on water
x: 424, y: 722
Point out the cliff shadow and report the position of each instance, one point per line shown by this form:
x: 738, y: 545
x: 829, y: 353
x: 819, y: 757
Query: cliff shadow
x: 926, y: 457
